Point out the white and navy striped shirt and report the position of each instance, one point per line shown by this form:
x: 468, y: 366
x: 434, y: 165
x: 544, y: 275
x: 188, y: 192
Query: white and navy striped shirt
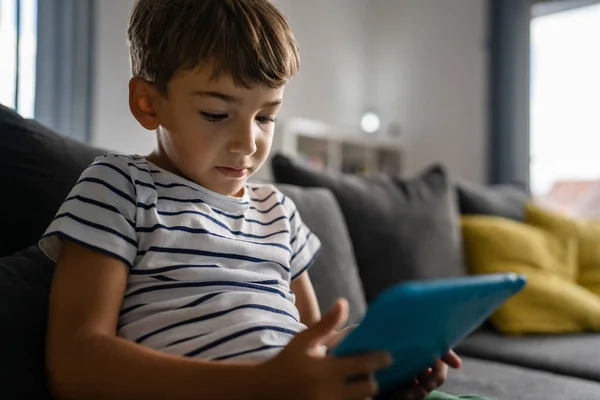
x: 209, y: 274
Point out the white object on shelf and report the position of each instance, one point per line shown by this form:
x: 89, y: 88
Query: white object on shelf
x: 334, y: 148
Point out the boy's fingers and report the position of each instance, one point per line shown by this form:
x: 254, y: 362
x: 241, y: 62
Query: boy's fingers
x: 326, y: 327
x: 434, y: 377
x: 347, y: 330
x: 424, y: 378
x: 452, y: 359
x: 337, y: 337
x: 437, y: 377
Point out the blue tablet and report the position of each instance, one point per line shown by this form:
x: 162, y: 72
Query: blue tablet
x: 419, y: 322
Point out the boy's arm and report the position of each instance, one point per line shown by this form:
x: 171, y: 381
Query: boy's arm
x: 308, y: 306
x: 306, y: 300
x: 86, y: 359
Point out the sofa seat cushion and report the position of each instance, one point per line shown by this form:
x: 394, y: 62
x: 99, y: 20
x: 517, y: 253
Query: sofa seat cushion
x: 572, y: 355
x: 498, y: 381
x: 401, y: 229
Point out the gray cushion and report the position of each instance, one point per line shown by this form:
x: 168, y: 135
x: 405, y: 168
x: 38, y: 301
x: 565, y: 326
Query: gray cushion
x: 505, y: 201
x: 574, y: 355
x: 400, y: 229
x: 24, y: 289
x: 505, y: 382
x: 38, y: 168
x: 334, y: 273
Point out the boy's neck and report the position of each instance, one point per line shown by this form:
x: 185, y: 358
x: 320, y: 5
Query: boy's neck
x: 160, y: 159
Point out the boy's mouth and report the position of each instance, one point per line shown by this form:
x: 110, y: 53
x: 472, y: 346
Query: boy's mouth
x: 233, y: 172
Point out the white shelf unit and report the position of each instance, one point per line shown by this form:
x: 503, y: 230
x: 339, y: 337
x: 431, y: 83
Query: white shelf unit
x: 335, y: 149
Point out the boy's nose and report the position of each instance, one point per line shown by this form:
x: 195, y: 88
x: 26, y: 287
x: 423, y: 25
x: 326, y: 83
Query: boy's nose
x: 243, y: 140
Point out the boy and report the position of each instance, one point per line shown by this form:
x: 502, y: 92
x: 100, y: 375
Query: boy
x: 175, y: 278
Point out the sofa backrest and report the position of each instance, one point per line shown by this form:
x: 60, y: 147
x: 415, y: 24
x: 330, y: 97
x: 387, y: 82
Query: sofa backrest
x: 38, y: 168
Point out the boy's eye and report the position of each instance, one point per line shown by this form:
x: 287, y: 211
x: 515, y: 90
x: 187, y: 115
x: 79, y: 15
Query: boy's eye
x: 265, y: 119
x: 213, y: 117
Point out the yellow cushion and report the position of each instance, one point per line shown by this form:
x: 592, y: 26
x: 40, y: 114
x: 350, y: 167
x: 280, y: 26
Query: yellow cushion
x: 551, y: 302
x: 586, y: 234
x: 589, y: 255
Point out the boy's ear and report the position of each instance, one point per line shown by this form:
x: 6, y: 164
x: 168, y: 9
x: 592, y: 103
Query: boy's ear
x: 142, y: 98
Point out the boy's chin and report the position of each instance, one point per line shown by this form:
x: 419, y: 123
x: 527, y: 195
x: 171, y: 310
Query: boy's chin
x: 234, y: 189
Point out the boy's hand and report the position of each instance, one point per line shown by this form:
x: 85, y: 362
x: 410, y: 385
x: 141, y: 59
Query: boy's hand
x: 428, y: 381
x: 303, y: 371
x: 338, y: 336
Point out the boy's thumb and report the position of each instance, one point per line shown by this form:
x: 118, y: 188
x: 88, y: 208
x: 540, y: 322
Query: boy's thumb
x: 328, y: 326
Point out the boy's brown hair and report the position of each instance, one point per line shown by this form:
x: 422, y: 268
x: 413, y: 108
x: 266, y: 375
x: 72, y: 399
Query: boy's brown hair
x: 248, y: 39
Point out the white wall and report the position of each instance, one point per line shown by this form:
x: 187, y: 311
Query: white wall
x: 421, y: 63
x: 333, y: 80
x: 428, y: 68
x: 113, y: 126
x: 331, y: 86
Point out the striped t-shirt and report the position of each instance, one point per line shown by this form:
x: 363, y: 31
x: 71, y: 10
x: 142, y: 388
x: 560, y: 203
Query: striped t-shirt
x: 209, y: 274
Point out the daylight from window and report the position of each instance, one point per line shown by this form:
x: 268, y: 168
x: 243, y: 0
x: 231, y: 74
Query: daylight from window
x: 18, y: 55
x: 565, y: 105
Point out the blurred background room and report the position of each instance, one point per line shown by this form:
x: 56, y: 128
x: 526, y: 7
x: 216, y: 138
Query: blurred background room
x: 497, y: 91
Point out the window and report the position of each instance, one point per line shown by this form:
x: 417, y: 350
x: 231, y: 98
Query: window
x: 18, y: 20
x: 565, y: 104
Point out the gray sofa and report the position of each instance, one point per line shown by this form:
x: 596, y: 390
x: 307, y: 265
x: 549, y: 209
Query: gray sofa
x: 501, y: 368
x: 37, y: 168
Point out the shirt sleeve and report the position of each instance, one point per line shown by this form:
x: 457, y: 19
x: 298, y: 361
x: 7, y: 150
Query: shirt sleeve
x: 99, y: 213
x: 304, y: 243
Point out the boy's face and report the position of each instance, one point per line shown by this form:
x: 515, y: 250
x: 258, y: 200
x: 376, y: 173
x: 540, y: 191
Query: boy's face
x: 213, y: 132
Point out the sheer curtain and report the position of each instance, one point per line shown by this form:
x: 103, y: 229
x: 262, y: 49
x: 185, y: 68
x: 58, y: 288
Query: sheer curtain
x: 65, y: 66
x: 17, y: 54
